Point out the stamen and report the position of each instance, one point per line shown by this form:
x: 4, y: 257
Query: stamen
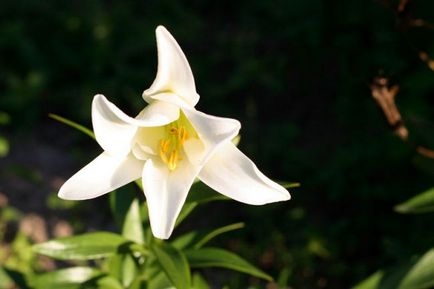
x: 173, y: 159
x: 170, y: 146
x: 182, y: 135
x: 164, y: 147
x: 164, y: 143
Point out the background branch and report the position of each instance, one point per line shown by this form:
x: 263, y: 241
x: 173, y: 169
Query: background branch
x: 385, y: 95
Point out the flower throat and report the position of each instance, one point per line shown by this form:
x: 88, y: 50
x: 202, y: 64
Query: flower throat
x: 170, y: 148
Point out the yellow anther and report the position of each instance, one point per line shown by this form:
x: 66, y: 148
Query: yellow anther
x: 182, y: 135
x: 164, y: 145
x: 163, y: 149
x: 163, y: 157
x: 170, y: 147
x: 173, y: 160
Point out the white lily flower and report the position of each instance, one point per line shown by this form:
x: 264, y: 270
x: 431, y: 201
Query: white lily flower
x: 169, y: 144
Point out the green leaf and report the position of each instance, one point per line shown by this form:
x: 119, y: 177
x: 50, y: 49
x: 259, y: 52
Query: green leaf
x: 120, y: 202
x: 197, y: 239
x: 283, y: 278
x: 421, y: 275
x: 4, y: 147
x: 186, y: 240
x: 128, y: 270
x: 217, y: 232
x: 82, y: 247
x: 133, y: 228
x: 69, y: 278
x: 17, y: 277
x: 418, y: 274
x: 107, y: 282
x: 185, y: 211
x: 159, y: 281
x: 199, y: 282
x: 72, y: 124
x: 421, y: 203
x: 124, y: 268
x: 215, y: 257
x: 199, y: 194
x: 236, y: 140
x: 173, y: 263
x: 287, y: 185
x: 5, y: 280
x: 372, y: 282
x: 139, y: 283
x: 4, y: 118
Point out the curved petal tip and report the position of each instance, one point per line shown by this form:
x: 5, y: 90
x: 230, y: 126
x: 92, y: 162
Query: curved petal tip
x: 233, y: 174
x: 102, y: 175
x: 174, y: 74
x: 161, y: 29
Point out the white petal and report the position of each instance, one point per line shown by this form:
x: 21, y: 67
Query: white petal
x: 169, y: 97
x: 104, y: 174
x: 174, y: 73
x: 195, y: 151
x: 115, y: 131
x: 157, y: 113
x: 233, y: 174
x: 149, y: 138
x: 141, y: 152
x: 213, y: 131
x: 165, y: 193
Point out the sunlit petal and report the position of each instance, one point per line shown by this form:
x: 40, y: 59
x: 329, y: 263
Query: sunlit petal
x: 115, y: 131
x: 212, y: 130
x: 104, y: 174
x: 233, y: 174
x: 165, y: 193
x: 156, y: 113
x: 174, y: 73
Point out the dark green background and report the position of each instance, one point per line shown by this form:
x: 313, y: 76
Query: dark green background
x: 296, y: 73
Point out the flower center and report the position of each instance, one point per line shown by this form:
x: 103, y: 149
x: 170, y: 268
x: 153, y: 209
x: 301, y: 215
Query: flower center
x: 170, y: 148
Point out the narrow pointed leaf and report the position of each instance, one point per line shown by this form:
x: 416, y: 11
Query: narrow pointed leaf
x: 186, y: 240
x: 372, y: 282
x: 421, y: 275
x: 185, y: 211
x: 215, y: 257
x: 208, y: 237
x: 287, y: 185
x: 196, y: 239
x: 72, y: 124
x: 174, y: 265
x: 199, y: 194
x: 422, y: 203
x: 82, y: 247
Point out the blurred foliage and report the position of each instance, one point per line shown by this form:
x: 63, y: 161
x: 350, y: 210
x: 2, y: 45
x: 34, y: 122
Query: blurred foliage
x: 4, y: 143
x: 296, y: 73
